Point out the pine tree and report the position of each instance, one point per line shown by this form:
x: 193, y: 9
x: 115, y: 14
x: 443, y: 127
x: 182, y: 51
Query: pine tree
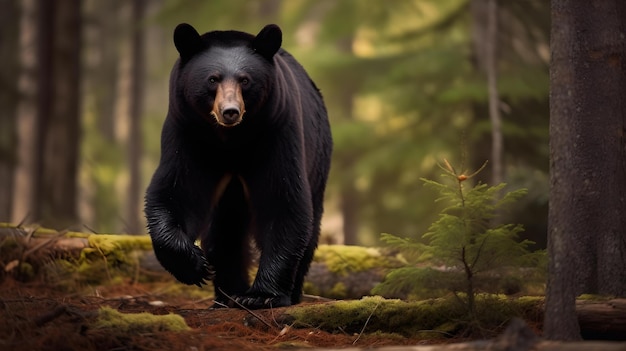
x: 465, y: 241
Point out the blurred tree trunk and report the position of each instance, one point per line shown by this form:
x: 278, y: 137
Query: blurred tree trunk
x: 98, y: 202
x: 46, y: 12
x: 497, y: 174
x: 484, y: 43
x: 23, y: 194
x: 106, y: 46
x: 59, y: 112
x: 349, y: 195
x: 9, y: 56
x: 135, y: 140
x: 349, y: 202
x: 587, y: 225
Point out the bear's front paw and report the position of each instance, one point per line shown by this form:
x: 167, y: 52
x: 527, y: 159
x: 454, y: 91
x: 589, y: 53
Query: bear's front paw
x: 254, y: 302
x: 191, y: 268
x: 200, y: 271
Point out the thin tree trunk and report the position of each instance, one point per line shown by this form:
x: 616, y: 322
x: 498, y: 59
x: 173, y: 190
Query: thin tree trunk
x: 349, y: 195
x: 60, y: 111
x: 484, y: 43
x: 107, y: 45
x: 136, y: 110
x: 45, y: 77
x: 494, y: 98
x: 349, y: 209
x: 27, y: 122
x: 587, y: 226
x: 9, y: 51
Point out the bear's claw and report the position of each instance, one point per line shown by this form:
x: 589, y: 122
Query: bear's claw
x: 192, y: 268
x: 260, y: 302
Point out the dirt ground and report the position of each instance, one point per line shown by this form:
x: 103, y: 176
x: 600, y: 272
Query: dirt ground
x: 37, y: 317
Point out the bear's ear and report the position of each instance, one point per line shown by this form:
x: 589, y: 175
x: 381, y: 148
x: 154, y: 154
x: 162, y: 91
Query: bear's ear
x: 187, y: 41
x: 268, y: 41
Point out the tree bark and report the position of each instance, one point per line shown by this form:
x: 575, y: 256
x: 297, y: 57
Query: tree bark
x: 587, y: 226
x: 106, y: 45
x: 59, y: 112
x: 350, y: 210
x: 497, y: 174
x: 485, y: 43
x: 23, y: 195
x: 9, y: 51
x: 136, y: 110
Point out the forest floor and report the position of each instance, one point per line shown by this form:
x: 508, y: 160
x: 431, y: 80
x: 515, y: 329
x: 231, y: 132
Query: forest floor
x: 38, y: 317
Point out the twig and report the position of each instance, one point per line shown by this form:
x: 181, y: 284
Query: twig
x: 30, y: 233
x: 365, y: 325
x: 220, y: 304
x: 90, y: 229
x: 247, y: 309
x: 21, y: 223
x: 43, y: 244
x: 106, y: 262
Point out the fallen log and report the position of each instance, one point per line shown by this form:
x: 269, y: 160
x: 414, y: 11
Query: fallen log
x: 602, y: 320
x: 517, y: 337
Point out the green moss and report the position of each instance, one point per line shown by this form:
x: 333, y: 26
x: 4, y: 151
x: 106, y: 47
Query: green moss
x: 134, y: 323
x: 310, y: 288
x: 26, y: 271
x: 114, y: 242
x: 339, y: 291
x: 343, y: 259
x: 386, y: 315
x: 428, y: 318
x: 593, y: 297
x: 8, y: 244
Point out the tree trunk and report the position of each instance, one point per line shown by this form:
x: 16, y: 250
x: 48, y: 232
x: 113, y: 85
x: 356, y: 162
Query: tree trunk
x: 59, y: 111
x: 349, y: 194
x: 349, y: 210
x: 497, y: 174
x: 106, y: 44
x: 587, y: 226
x: 484, y: 43
x: 9, y: 51
x: 23, y: 195
x: 136, y: 109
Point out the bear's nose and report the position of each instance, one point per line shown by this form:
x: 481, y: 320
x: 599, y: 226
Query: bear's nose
x: 231, y: 114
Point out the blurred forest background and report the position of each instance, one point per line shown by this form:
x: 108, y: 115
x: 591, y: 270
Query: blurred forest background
x: 84, y: 87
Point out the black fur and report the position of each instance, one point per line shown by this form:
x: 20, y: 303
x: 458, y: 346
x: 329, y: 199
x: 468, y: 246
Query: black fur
x: 262, y: 178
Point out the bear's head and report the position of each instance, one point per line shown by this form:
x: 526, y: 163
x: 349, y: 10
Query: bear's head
x: 224, y: 75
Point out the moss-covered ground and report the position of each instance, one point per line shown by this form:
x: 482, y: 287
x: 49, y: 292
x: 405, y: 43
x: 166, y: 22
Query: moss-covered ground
x: 107, y: 295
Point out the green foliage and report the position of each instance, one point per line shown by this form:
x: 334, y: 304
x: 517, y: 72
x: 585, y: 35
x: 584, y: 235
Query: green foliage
x: 465, y: 244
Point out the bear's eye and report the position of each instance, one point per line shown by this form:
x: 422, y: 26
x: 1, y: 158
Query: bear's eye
x: 245, y: 81
x: 212, y: 79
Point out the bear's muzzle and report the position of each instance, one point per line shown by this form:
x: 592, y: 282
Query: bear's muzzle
x: 228, y: 108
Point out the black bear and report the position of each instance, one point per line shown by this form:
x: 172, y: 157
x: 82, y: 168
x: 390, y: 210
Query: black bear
x: 245, y: 153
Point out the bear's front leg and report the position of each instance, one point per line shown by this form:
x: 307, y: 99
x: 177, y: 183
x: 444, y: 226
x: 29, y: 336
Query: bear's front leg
x: 172, y: 237
x: 284, y: 224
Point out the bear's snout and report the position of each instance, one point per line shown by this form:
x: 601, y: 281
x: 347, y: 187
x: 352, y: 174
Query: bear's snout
x: 231, y: 114
x: 228, y: 108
